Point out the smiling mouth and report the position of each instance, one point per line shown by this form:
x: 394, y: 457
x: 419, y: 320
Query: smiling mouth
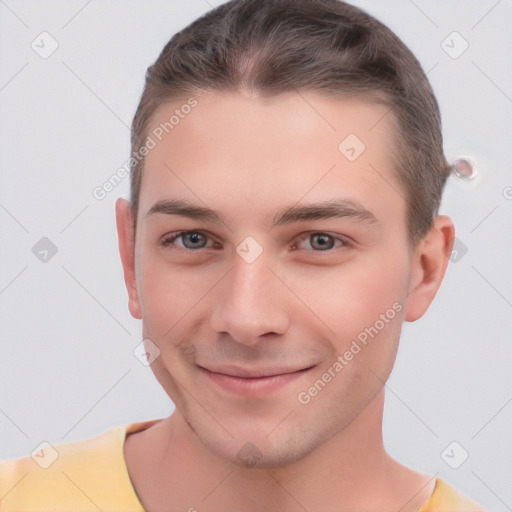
x: 234, y: 371
x: 253, y: 382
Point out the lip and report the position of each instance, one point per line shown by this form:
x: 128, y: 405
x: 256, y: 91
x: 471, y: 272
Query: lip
x: 253, y: 382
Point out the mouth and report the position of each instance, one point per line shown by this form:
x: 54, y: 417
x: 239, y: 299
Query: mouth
x: 253, y: 382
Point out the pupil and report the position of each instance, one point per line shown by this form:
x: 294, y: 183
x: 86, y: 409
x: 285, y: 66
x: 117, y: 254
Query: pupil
x: 322, y: 241
x: 194, y: 238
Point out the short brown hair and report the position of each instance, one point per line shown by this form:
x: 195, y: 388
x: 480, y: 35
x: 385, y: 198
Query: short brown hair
x: 328, y: 46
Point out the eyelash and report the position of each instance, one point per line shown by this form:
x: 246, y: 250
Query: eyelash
x: 169, y: 240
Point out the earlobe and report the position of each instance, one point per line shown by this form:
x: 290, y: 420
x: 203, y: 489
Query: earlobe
x: 126, y: 242
x: 428, y: 267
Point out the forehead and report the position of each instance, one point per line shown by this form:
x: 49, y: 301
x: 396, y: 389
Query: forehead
x: 229, y: 149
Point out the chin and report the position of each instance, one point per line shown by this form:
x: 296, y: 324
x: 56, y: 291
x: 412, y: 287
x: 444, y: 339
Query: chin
x: 262, y: 448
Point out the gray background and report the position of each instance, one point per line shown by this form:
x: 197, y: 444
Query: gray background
x: 67, y: 369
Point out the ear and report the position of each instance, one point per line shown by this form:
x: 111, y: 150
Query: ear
x: 126, y: 240
x: 428, y: 267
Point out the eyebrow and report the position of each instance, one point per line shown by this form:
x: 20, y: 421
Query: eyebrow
x: 185, y: 209
x: 340, y: 208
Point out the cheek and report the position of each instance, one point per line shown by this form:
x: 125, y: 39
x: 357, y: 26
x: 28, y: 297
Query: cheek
x: 171, y: 295
x: 353, y: 296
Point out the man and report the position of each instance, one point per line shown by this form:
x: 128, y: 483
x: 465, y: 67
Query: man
x: 286, y: 177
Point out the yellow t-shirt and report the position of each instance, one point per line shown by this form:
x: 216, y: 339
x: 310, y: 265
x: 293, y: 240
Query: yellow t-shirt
x: 91, y: 475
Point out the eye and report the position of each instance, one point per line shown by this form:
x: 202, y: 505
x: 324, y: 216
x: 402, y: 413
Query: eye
x: 188, y: 240
x: 320, y: 241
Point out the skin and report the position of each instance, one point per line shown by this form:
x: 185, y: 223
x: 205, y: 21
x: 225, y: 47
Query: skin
x: 295, y: 307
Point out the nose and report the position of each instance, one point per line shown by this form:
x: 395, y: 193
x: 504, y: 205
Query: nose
x: 250, y: 303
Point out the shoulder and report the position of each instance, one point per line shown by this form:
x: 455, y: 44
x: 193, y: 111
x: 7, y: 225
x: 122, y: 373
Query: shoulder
x: 445, y: 498
x: 70, y: 476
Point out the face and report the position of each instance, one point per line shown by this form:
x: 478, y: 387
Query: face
x: 272, y: 268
